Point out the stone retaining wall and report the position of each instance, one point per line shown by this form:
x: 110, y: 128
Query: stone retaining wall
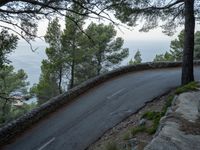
x: 18, y: 126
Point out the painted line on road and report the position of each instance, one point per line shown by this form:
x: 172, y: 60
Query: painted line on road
x: 47, y: 143
x: 116, y: 93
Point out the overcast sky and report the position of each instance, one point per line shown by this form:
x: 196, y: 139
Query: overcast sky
x: 127, y: 34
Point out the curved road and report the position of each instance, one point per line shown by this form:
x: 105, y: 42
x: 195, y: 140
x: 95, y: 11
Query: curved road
x: 82, y: 122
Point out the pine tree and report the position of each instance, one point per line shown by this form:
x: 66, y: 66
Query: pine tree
x: 166, y: 57
x: 8, y: 42
x: 172, y: 14
x: 176, y: 47
x: 55, y: 52
x: 10, y: 82
x: 107, y: 50
x: 137, y: 57
x: 71, y: 43
x: 197, y: 45
x: 47, y: 86
x: 53, y: 68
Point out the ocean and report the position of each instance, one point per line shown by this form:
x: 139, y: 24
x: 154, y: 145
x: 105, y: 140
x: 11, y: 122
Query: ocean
x: 24, y: 58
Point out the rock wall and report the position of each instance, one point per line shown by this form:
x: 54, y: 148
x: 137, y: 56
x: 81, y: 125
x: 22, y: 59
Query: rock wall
x: 180, y: 128
x: 18, y: 126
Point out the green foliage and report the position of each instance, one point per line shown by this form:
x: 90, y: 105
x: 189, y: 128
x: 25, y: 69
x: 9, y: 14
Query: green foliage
x: 8, y: 44
x: 72, y: 37
x: 10, y: 82
x: 192, y: 86
x: 74, y: 57
x: 177, y: 46
x: 106, y: 49
x: 138, y: 129
x: 131, y: 62
x: 158, y: 115
x: 47, y: 86
x: 155, y: 125
x: 14, y: 113
x: 111, y: 146
x: 150, y: 14
x: 152, y: 129
x: 137, y: 58
x: 176, y: 49
x: 154, y: 117
x: 166, y: 57
x: 53, y: 68
x: 150, y: 115
x: 197, y: 45
x: 126, y: 136
x: 63, y: 55
x: 167, y: 104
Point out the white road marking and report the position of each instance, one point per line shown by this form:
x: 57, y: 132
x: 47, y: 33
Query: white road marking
x: 47, y: 143
x: 114, y: 94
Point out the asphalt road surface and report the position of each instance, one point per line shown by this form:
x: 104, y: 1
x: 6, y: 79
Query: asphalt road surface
x: 79, y: 124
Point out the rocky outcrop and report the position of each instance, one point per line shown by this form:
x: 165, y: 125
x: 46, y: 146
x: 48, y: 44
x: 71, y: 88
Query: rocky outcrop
x: 180, y: 128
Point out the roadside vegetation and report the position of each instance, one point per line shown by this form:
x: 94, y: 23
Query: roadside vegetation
x: 154, y: 118
x: 111, y: 146
x: 192, y: 86
x: 175, y: 53
x: 13, y: 83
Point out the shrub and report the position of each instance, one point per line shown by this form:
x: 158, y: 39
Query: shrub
x: 111, y: 146
x: 192, y: 86
x: 138, y: 129
x: 126, y: 136
x: 150, y: 115
x: 167, y: 104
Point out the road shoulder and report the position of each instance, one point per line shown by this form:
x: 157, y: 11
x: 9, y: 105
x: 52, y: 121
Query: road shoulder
x: 170, y: 122
x: 121, y: 136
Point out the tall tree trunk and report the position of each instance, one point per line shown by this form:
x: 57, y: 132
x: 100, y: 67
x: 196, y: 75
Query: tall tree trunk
x: 99, y: 61
x: 60, y: 80
x: 72, y: 74
x: 4, y: 109
x: 73, y: 63
x: 188, y: 52
x: 98, y: 67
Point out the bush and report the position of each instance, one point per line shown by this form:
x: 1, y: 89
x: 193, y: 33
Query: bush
x: 138, y: 129
x: 14, y: 113
x: 156, y: 116
x: 111, y: 146
x: 167, y: 104
x: 150, y: 115
x: 192, y: 86
x: 126, y: 136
